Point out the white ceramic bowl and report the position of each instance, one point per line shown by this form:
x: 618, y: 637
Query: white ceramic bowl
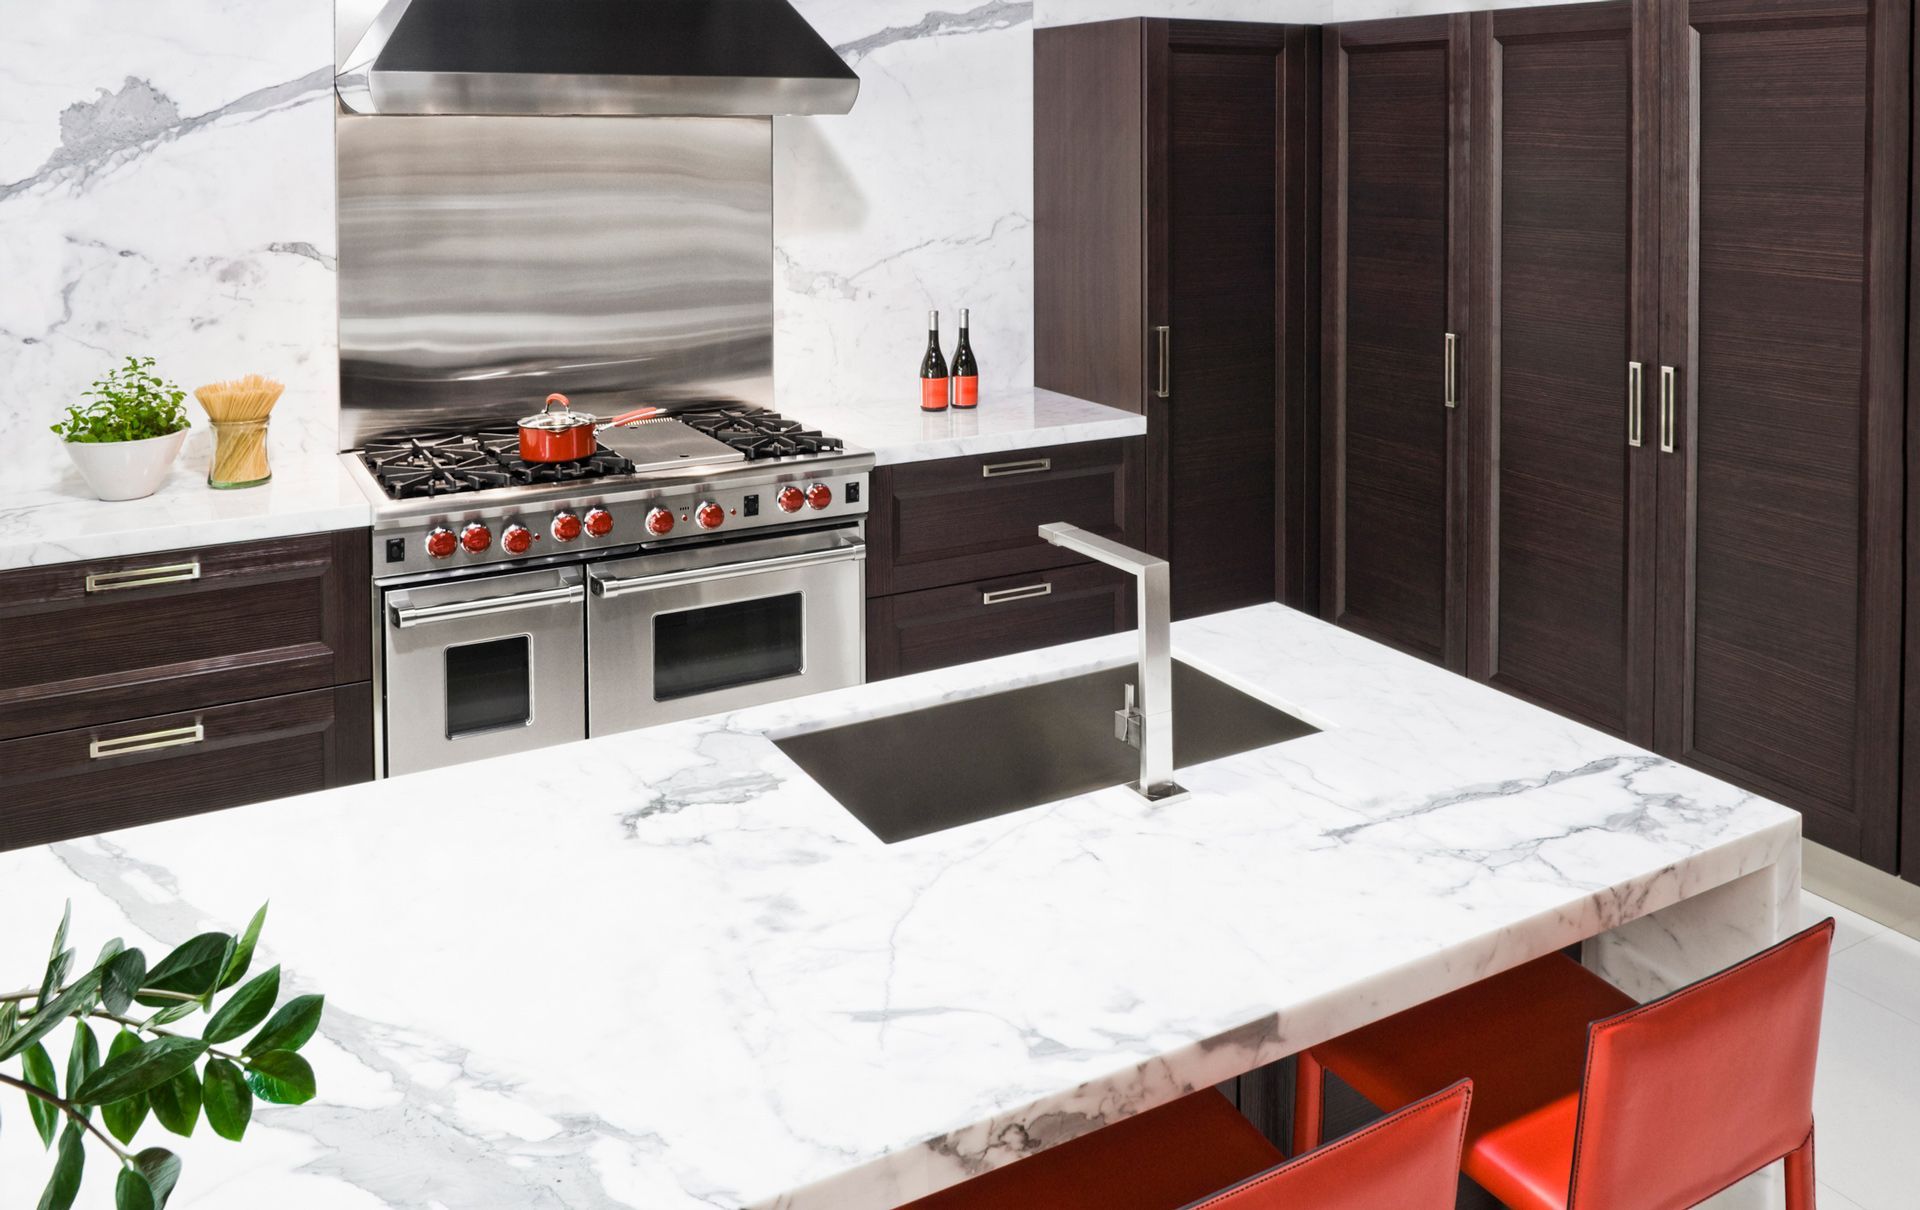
x: 126, y: 470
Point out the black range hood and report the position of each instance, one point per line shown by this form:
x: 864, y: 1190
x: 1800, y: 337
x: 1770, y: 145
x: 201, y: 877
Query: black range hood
x: 711, y: 58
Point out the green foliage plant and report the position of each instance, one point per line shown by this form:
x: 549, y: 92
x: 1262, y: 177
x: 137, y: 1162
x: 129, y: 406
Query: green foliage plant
x: 130, y: 403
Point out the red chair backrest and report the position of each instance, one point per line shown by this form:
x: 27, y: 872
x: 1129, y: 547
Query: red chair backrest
x: 1691, y: 1092
x: 1408, y: 1160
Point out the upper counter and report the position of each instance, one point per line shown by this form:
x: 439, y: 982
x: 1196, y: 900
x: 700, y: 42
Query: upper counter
x: 896, y: 430
x: 666, y: 970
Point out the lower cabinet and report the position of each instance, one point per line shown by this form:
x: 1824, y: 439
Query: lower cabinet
x: 936, y: 627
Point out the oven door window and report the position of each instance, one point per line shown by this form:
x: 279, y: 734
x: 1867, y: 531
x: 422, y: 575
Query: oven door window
x: 719, y: 647
x: 489, y: 685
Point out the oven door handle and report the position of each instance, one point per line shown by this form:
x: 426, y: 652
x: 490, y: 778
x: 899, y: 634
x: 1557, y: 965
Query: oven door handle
x: 605, y: 586
x: 406, y: 616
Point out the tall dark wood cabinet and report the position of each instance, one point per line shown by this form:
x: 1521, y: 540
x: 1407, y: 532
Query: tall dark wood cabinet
x: 1394, y: 298
x: 1174, y: 264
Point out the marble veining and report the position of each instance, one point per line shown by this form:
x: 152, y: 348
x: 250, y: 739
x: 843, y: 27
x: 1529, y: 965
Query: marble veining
x: 663, y: 969
x: 896, y: 430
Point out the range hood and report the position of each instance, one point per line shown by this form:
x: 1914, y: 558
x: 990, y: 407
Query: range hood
x: 707, y: 58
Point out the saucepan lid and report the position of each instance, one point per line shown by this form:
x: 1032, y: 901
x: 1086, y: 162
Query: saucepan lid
x: 560, y: 421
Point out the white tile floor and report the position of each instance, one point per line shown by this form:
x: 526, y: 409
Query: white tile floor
x: 1867, y: 1097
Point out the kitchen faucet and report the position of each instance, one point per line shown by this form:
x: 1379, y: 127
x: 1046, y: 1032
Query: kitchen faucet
x: 1146, y: 719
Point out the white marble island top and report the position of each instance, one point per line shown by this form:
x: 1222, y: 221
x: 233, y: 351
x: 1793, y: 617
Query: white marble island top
x: 665, y: 970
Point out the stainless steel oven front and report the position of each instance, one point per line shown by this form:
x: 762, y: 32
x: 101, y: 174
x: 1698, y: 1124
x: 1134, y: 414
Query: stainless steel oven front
x: 680, y: 633
x: 483, y: 666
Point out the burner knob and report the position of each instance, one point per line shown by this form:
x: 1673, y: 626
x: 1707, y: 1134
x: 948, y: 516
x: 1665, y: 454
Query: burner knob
x: 565, y: 527
x: 517, y: 540
x: 599, y: 522
x: 709, y: 515
x: 476, y: 538
x: 819, y: 495
x: 791, y: 498
x: 441, y: 542
x: 660, y: 522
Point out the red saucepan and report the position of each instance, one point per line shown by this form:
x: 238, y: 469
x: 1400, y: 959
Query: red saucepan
x: 567, y: 435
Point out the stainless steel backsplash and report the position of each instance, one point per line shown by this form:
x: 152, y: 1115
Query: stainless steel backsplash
x: 487, y: 261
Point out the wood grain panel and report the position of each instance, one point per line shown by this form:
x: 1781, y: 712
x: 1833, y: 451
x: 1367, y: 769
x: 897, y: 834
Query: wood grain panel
x: 939, y: 627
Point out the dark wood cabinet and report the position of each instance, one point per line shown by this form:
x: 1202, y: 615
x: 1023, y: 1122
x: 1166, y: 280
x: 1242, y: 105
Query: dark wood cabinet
x: 1394, y: 306
x: 1173, y: 275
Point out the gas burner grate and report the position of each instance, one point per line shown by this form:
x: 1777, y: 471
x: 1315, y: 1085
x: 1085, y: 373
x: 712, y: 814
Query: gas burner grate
x: 444, y: 464
x: 759, y: 433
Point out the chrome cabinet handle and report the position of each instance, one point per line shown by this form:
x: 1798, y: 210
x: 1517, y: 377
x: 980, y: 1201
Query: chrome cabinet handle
x: 1667, y: 393
x: 1634, y: 374
x: 614, y: 586
x: 1164, y: 335
x: 126, y: 745
x: 1000, y: 596
x: 1453, y: 349
x: 142, y: 577
x: 1031, y: 466
x: 405, y: 616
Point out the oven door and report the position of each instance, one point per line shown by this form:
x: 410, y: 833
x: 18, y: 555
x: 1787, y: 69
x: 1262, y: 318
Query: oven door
x: 484, y: 666
x: 679, y: 634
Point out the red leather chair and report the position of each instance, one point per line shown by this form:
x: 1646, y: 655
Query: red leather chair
x: 1585, y: 1100
x: 1199, y: 1153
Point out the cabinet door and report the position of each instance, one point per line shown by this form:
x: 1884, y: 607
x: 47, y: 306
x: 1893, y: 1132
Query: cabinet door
x: 1565, y: 299
x: 1783, y: 214
x: 1392, y: 268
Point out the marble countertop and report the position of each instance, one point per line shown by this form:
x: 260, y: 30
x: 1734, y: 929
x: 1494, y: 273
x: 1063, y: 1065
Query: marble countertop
x: 896, y: 430
x: 65, y: 522
x: 665, y: 970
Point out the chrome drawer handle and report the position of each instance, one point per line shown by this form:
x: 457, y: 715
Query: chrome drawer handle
x: 142, y: 577
x: 1026, y: 592
x: 1031, y: 466
x: 126, y: 745
x: 403, y: 617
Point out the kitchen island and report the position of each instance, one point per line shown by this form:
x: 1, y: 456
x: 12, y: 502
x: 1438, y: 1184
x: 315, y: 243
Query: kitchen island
x: 664, y: 969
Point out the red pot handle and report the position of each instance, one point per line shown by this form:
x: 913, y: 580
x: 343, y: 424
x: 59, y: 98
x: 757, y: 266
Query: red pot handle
x: 558, y: 398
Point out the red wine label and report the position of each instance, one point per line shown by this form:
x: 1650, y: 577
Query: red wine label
x: 933, y: 394
x: 966, y: 391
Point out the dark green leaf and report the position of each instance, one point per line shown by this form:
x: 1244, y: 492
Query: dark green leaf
x: 83, y: 1058
x: 123, y: 1117
x: 162, y: 1170
x: 64, y: 1185
x: 76, y: 999
x: 131, y: 1191
x: 177, y: 1102
x: 110, y: 951
x: 193, y: 969
x: 290, y: 1027
x: 37, y: 1067
x: 122, y: 976
x: 242, y: 956
x: 9, y: 1021
x: 57, y: 968
x: 282, y: 1077
x: 229, y: 1101
x: 173, y: 1012
x: 139, y: 1070
x: 245, y: 1009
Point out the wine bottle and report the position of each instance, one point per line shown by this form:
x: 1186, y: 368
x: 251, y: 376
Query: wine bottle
x: 966, y: 371
x: 933, y: 369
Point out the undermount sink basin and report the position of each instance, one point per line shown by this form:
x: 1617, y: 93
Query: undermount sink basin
x: 907, y: 775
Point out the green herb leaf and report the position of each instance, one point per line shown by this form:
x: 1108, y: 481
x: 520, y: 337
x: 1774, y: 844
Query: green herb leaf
x: 176, y: 1104
x: 162, y: 1170
x: 139, y: 1070
x: 245, y: 1009
x: 228, y: 1099
x: 123, y: 1117
x: 82, y: 1058
x: 290, y: 1027
x: 64, y: 1185
x: 282, y: 1077
x: 37, y: 1068
x: 122, y: 976
x: 76, y: 999
x: 243, y: 952
x: 193, y: 969
x: 130, y: 403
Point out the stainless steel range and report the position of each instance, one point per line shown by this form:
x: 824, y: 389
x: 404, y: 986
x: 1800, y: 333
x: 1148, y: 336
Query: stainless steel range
x: 703, y: 561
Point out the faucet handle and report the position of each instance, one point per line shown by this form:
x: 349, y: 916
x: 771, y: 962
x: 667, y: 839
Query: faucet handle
x: 1126, y: 721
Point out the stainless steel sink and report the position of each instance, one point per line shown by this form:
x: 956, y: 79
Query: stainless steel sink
x: 906, y: 775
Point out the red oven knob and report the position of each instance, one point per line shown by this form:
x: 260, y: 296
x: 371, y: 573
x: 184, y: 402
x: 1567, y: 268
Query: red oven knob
x: 660, y: 522
x: 476, y: 538
x: 517, y: 540
x: 791, y: 498
x: 441, y: 542
x: 709, y: 515
x: 599, y: 522
x: 819, y: 495
x: 565, y: 527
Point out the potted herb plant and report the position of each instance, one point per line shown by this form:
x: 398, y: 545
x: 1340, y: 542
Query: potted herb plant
x: 125, y: 441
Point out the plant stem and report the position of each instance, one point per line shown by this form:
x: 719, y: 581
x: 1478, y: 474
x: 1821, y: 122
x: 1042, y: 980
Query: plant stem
x: 67, y: 1107
x: 32, y: 992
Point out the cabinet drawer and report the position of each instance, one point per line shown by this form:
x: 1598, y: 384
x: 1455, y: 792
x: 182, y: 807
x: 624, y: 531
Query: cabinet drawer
x: 963, y: 519
x: 117, y: 775
x: 937, y: 627
x: 95, y: 641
